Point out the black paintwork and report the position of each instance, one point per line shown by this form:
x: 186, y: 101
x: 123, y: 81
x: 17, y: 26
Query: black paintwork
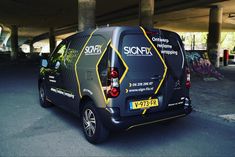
x: 140, y: 70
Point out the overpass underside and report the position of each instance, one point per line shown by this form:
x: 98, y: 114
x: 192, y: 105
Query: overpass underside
x: 53, y: 19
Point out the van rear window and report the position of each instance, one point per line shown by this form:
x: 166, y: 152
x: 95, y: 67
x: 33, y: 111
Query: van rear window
x: 139, y: 53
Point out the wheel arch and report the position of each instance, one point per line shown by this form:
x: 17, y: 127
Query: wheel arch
x: 39, y: 82
x: 84, y: 99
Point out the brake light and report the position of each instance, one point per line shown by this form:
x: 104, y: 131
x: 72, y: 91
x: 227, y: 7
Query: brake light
x: 113, y: 92
x: 188, y: 82
x: 114, y: 89
x: 114, y: 74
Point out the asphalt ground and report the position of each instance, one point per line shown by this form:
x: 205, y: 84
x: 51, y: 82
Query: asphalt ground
x: 26, y: 129
x: 215, y: 97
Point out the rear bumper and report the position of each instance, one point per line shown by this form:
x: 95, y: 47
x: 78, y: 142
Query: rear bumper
x: 113, y: 121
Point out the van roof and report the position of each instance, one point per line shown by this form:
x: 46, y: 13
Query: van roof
x: 111, y: 31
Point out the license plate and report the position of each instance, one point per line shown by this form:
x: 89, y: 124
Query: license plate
x: 143, y: 104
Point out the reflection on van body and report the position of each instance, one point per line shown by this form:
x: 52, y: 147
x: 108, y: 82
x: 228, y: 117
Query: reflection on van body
x: 117, y: 78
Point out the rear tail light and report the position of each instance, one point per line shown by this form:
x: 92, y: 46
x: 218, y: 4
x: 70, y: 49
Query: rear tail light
x: 114, y: 89
x: 114, y: 73
x: 113, y: 92
x: 188, y: 82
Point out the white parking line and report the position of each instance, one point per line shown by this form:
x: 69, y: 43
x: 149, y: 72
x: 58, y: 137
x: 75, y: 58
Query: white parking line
x: 228, y: 116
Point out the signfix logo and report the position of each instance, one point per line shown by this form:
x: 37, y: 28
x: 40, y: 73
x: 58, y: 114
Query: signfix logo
x: 137, y: 51
x: 93, y: 50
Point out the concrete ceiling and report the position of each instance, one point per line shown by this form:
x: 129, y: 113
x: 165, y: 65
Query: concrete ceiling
x: 35, y: 16
x: 194, y: 16
x: 196, y: 19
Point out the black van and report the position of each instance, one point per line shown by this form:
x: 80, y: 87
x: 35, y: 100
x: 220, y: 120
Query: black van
x: 117, y: 78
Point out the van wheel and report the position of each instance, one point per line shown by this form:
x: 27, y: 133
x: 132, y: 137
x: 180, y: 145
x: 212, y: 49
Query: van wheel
x: 42, y: 97
x: 93, y: 128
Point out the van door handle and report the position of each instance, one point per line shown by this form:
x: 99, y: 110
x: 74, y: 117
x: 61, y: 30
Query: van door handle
x: 156, y: 77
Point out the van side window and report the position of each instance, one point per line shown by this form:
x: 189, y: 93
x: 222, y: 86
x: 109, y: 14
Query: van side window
x: 58, y: 54
x: 77, y: 43
x: 74, y: 49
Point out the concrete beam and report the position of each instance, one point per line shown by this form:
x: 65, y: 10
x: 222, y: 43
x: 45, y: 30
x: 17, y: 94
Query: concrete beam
x: 214, y: 35
x: 162, y: 7
x: 146, y: 12
x: 86, y: 14
x: 126, y: 14
x: 14, y: 42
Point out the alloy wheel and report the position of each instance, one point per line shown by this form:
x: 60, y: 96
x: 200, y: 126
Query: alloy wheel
x: 89, y: 122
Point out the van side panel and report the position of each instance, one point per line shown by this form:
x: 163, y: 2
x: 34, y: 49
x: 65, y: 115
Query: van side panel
x: 69, y: 76
x: 90, y: 83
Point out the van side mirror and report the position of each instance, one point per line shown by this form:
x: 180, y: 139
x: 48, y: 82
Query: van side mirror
x: 44, y: 63
x: 57, y: 65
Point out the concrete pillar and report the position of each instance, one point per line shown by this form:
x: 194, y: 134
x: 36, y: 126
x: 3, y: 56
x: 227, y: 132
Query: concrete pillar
x: 6, y: 39
x: 146, y: 13
x: 214, y: 35
x: 1, y: 30
x: 31, y: 48
x: 86, y: 14
x: 52, y: 40
x: 14, y: 42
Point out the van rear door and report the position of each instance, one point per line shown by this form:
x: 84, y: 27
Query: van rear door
x: 153, y: 70
x: 142, y: 72
x: 171, y: 48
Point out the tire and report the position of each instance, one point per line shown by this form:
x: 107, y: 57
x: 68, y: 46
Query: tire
x: 42, y: 97
x: 93, y: 128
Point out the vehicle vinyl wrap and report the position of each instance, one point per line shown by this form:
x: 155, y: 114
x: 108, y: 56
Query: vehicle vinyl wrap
x: 111, y: 49
x: 98, y: 75
x: 162, y: 60
x: 127, y: 76
x: 123, y: 62
x: 143, y: 62
x: 88, y: 73
x: 165, y: 67
x: 78, y: 68
x: 171, y: 48
x: 54, y: 74
x: 75, y: 65
x: 98, y: 49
